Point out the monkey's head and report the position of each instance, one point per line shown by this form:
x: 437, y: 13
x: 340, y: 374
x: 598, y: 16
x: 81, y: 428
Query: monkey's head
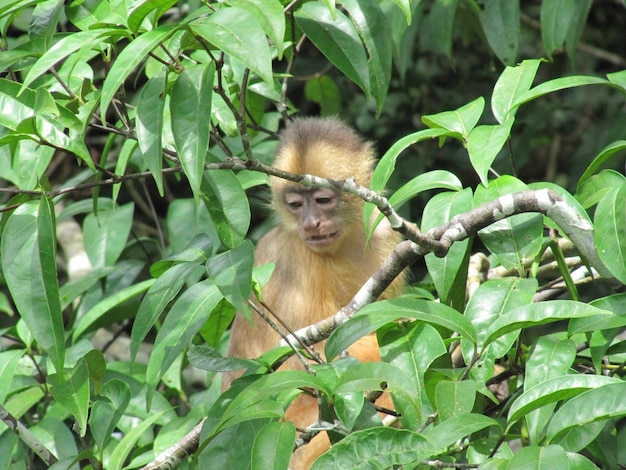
x: 322, y: 218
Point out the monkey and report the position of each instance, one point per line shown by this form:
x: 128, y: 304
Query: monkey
x: 319, y: 247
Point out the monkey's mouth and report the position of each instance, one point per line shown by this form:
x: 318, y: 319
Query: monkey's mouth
x: 320, y: 241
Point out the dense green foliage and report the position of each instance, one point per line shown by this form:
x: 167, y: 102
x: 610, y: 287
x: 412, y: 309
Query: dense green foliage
x: 135, y: 136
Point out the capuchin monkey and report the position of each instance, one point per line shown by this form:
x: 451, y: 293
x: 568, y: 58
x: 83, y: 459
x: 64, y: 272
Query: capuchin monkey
x: 320, y: 251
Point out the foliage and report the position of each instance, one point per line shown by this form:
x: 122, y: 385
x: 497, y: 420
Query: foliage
x: 136, y: 136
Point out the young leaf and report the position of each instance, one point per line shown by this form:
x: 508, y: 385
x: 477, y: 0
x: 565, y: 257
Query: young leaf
x: 232, y: 273
x: 602, y: 157
x: 106, y: 233
x: 484, y: 145
x: 107, y: 410
x: 460, y: 122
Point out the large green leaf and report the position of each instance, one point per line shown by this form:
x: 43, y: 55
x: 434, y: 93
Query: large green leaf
x: 561, y: 21
x: 441, y: 25
x: 227, y: 204
x: 158, y: 297
x: 607, y: 152
x: 454, y: 429
x: 269, y: 14
x: 379, y: 447
x: 273, y: 446
x: 448, y: 273
x: 500, y: 20
x: 491, y: 300
x: 373, y: 316
x: 232, y: 273
x: 190, y: 107
x: 149, y: 124
x: 597, y: 404
x: 28, y: 252
x: 454, y: 397
x: 106, y: 233
x: 128, y: 59
x: 484, y: 145
x: 337, y: 39
x: 238, y: 33
x: 108, y: 409
x: 538, y: 314
x: 610, y: 231
x: 371, y: 24
x: 512, y: 83
x: 513, y: 240
x: 71, y: 390
x: 555, y: 389
x: 184, y: 320
x: 139, y: 10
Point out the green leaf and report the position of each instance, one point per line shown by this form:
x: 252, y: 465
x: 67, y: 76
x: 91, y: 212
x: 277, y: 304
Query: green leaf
x: 269, y: 14
x: 209, y: 358
x: 500, y: 20
x: 453, y: 398
x: 273, y: 445
x: 107, y: 410
x: 258, y: 392
x: 337, y: 39
x: 378, y: 447
x: 324, y: 91
x: 602, y: 157
x: 549, y: 358
x: 512, y: 83
x: 184, y: 320
x: 448, y: 273
x: 106, y: 233
x: 455, y: 428
x: 598, y: 404
x: 371, y: 25
x: 71, y: 390
x: 561, y: 83
x: 561, y: 21
x: 536, y: 457
x: 149, y: 126
x: 373, y: 316
x: 493, y: 299
x: 128, y: 60
x: 43, y: 23
x: 66, y: 46
x: 538, y: 314
x: 140, y: 10
x: 460, y: 122
x: 161, y: 293
x: 190, y: 107
x: 484, y: 144
x: 232, y: 273
x: 227, y: 204
x: 238, y: 33
x: 513, y: 240
x: 610, y: 231
x: 554, y: 389
x: 8, y: 364
x: 123, y: 449
x: 385, y: 167
x: 28, y: 252
x: 441, y: 25
x: 90, y: 318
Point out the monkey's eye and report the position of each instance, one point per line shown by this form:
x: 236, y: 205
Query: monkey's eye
x: 324, y: 200
x: 294, y: 204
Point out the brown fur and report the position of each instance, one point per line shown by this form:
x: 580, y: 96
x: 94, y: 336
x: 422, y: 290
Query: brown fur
x: 308, y: 286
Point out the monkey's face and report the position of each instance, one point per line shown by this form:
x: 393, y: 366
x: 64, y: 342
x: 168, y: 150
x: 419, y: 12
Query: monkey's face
x: 316, y: 213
